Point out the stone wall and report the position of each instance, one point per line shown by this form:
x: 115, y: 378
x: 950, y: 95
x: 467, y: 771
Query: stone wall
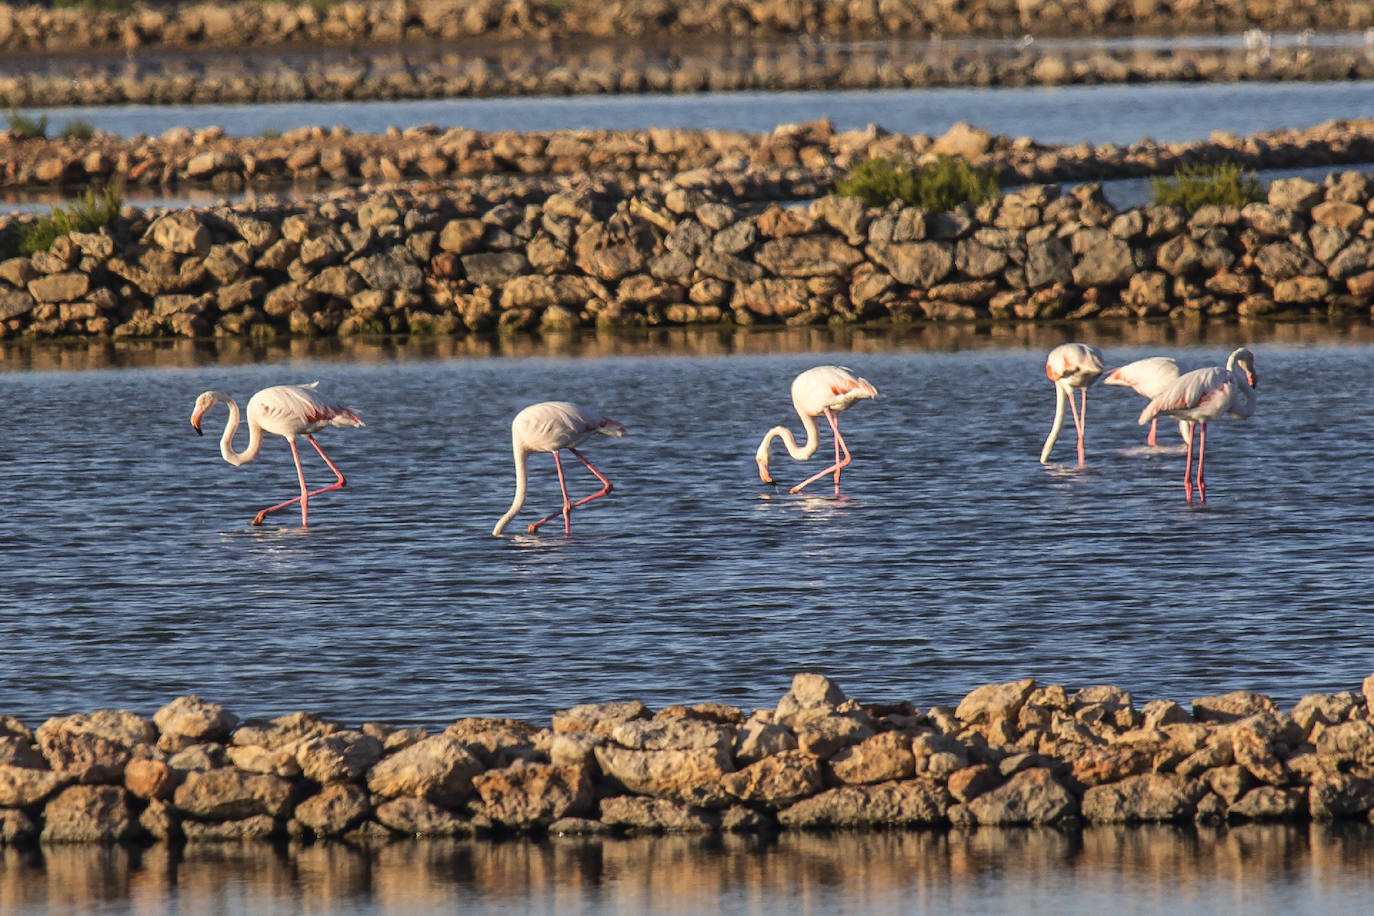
x: 34, y: 28
x: 792, y: 162
x: 559, y: 256
x: 1008, y: 754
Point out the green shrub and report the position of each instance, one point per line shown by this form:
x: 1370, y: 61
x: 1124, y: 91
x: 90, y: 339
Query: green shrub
x: 940, y: 185
x: 80, y: 129
x: 118, y: 6
x: 26, y: 128
x: 86, y: 214
x: 1194, y: 186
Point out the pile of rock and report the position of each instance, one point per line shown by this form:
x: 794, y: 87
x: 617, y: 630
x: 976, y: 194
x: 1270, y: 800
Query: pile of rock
x: 250, y: 24
x: 445, y: 261
x: 790, y: 162
x: 1008, y: 754
x: 610, y: 67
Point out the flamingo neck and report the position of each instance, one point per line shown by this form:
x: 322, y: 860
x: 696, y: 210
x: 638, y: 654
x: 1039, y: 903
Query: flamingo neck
x: 226, y: 441
x: 1061, y: 395
x: 522, y: 456
x: 1244, y: 404
x: 798, y: 452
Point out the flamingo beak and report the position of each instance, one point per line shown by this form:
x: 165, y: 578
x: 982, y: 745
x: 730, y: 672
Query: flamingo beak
x: 763, y: 472
x: 195, y: 424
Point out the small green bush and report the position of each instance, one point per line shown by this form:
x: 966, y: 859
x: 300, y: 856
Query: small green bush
x: 118, y: 6
x: 80, y: 129
x: 86, y: 214
x: 940, y: 185
x: 1194, y: 186
x: 26, y: 128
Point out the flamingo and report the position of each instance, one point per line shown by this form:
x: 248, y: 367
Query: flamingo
x: 1069, y: 366
x: 1148, y: 377
x: 822, y: 390
x: 548, y: 427
x: 1204, y: 395
x: 288, y: 411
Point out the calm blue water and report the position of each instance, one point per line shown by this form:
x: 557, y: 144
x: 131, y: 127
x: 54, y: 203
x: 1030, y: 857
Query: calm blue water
x: 131, y: 576
x: 1167, y: 112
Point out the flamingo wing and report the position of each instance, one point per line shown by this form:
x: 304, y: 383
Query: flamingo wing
x: 1147, y: 377
x: 294, y: 410
x: 1194, y: 396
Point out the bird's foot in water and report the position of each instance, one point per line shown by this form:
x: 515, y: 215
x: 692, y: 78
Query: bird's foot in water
x: 257, y: 519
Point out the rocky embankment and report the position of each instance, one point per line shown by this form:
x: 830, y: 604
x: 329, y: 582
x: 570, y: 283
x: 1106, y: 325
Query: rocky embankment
x: 1008, y: 754
x: 558, y: 256
x: 792, y: 162
x: 81, y: 30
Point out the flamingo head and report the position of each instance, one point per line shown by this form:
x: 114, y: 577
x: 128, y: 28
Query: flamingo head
x: 764, y: 474
x: 609, y: 427
x: 203, y: 403
x: 1246, y: 360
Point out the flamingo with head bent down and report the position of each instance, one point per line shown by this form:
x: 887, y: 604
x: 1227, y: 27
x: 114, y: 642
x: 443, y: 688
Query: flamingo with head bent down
x: 548, y: 427
x: 1148, y: 377
x: 1204, y: 395
x: 823, y: 390
x: 285, y: 410
x: 1071, y: 366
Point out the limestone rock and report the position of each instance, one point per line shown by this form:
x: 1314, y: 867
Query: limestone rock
x: 339, y: 757
x: 333, y: 809
x: 89, y: 814
x: 229, y: 793
x: 1231, y: 707
x: 499, y: 742
x: 257, y: 827
x: 882, y: 758
x: 688, y: 776
x: 528, y: 794
x: 282, y: 731
x: 912, y: 803
x: 777, y: 780
x: 94, y: 747
x: 1148, y: 797
x: 420, y: 817
x: 1031, y: 796
x: 196, y: 718
x: 758, y: 738
x: 1270, y: 803
x: 672, y: 734
x: 439, y: 769
x: 21, y: 787
x: 657, y: 814
x: 598, y: 718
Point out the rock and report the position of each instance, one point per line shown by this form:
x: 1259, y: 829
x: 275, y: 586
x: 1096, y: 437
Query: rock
x: 89, y: 814
x: 334, y: 809
x: 598, y: 718
x: 148, y: 778
x: 1270, y: 220
x: 776, y: 781
x: 688, y: 776
x: 1348, y: 743
x: 1147, y: 797
x: 1031, y: 796
x: 498, y: 742
x: 808, y: 256
x: 1270, y: 803
x: 913, y: 803
x: 196, y: 718
x: 229, y: 793
x: 420, y: 817
x: 758, y: 738
x: 808, y: 691
x: 919, y: 264
x: 282, y: 731
x: 656, y: 814
x: 1097, y: 766
x: 970, y: 782
x: 994, y: 701
x: 883, y: 757
x: 391, y: 270
x: 1231, y: 707
x: 439, y: 769
x: 339, y: 757
x: 526, y: 794
x: 1103, y: 259
x: 1297, y: 194
x: 252, y: 759
x: 64, y: 287
x: 94, y: 747
x: 963, y: 141
x: 1340, y: 795
x: 672, y: 734
x: 20, y: 752
x: 1047, y: 263
x: 257, y: 827
x: 180, y: 232
x: 21, y: 787
x: 15, y: 303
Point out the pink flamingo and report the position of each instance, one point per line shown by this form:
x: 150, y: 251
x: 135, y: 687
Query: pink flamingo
x: 1070, y: 366
x: 286, y: 410
x: 822, y: 390
x: 1204, y: 395
x: 1148, y: 377
x: 548, y: 427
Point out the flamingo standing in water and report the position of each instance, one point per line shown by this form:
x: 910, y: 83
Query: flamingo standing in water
x: 1204, y: 395
x: 1148, y: 377
x: 548, y: 427
x: 1070, y: 366
x: 286, y: 410
x: 822, y: 390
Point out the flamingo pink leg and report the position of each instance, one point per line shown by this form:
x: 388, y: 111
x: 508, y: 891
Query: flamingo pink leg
x: 566, y: 511
x: 1150, y: 439
x: 1079, y: 422
x: 839, y: 463
x: 304, y: 498
x: 1201, y: 449
x: 1188, y: 469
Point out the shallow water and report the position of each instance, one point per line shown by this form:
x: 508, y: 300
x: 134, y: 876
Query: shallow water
x: 1167, y: 112
x: 1255, y: 868
x: 953, y: 559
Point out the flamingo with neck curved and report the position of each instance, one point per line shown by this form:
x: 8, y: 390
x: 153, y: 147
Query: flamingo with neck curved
x: 1071, y: 366
x: 284, y: 410
x: 824, y: 390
